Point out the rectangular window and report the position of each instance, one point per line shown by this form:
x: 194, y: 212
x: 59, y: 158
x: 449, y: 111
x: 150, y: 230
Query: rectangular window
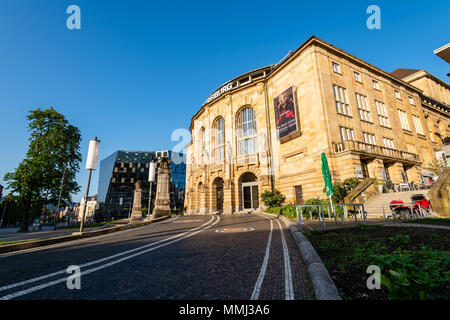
x: 340, y: 96
x: 382, y: 114
x: 388, y: 143
x: 347, y: 134
x: 336, y: 67
x: 369, y: 138
x: 411, y: 101
x: 403, y: 119
x: 417, y: 124
x: 375, y: 85
x: 298, y: 194
x: 397, y: 95
x: 363, y: 108
x: 357, y: 76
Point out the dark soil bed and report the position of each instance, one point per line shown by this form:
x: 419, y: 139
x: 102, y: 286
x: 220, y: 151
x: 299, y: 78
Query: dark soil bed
x: 434, y: 221
x: 414, y: 262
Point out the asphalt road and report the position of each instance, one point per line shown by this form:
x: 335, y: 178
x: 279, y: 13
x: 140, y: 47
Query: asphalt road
x: 191, y: 257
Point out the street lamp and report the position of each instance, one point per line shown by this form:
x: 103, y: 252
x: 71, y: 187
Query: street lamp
x: 91, y: 164
x: 151, y: 179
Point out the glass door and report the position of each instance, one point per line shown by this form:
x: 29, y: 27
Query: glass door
x: 247, y: 196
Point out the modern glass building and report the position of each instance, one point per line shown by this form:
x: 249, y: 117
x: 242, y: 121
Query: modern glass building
x: 121, y: 170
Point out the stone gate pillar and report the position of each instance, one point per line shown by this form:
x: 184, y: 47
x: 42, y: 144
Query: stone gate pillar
x: 162, y: 200
x: 136, y: 213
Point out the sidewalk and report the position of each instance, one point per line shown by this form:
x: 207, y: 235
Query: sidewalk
x: 11, y: 234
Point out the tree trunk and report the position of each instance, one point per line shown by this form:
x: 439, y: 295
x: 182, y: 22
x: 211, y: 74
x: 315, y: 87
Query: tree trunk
x: 25, y: 205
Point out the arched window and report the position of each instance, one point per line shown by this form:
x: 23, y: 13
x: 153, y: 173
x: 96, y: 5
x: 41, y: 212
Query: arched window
x: 202, y: 145
x: 246, y: 133
x: 219, y: 141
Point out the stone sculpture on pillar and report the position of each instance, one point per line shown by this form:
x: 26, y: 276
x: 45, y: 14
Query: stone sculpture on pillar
x: 162, y: 200
x: 136, y: 213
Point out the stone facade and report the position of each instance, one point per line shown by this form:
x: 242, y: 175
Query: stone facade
x: 92, y: 206
x: 221, y: 178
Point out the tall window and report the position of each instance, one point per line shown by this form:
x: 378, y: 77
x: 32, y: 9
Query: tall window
x: 382, y: 114
x: 219, y: 145
x: 397, y: 95
x: 417, y: 124
x: 203, y: 145
x: 347, y: 134
x: 388, y: 143
x: 340, y: 95
x: 411, y: 101
x: 369, y: 138
x: 376, y: 85
x: 363, y: 107
x: 247, y: 142
x: 336, y: 67
x: 357, y: 76
x: 403, y: 119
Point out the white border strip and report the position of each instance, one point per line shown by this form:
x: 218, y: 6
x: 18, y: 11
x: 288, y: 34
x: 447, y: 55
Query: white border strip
x: 262, y: 273
x: 288, y: 287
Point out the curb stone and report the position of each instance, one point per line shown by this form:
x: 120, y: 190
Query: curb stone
x: 323, y: 284
x: 75, y: 236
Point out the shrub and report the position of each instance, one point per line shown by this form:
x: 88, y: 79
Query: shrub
x: 290, y: 211
x: 273, y: 198
x: 342, y: 189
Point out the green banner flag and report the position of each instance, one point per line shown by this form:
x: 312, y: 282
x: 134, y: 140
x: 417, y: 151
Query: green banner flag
x: 327, y: 176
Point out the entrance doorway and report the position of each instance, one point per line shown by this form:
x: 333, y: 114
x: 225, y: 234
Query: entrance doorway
x: 218, y: 194
x: 249, y: 191
x: 250, y: 195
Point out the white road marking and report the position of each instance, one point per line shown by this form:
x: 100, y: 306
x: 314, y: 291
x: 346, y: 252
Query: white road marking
x: 262, y: 273
x: 288, y: 287
x: 18, y: 284
x: 61, y: 244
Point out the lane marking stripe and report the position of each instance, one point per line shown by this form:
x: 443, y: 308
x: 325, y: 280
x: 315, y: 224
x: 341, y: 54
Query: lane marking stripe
x: 36, y: 288
x: 288, y: 287
x: 18, y: 284
x: 262, y: 273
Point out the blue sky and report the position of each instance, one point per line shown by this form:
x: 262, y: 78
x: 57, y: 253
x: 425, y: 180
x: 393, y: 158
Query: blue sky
x: 137, y: 70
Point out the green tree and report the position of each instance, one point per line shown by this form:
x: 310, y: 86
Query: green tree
x: 342, y: 189
x: 54, y: 145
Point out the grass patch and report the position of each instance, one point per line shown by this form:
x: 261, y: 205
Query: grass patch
x: 414, y: 262
x: 435, y: 221
x: 12, y: 242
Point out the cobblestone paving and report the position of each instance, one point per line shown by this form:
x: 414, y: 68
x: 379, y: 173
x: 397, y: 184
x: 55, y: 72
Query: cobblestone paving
x: 208, y: 265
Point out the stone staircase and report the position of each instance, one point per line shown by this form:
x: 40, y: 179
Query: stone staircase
x: 374, y: 206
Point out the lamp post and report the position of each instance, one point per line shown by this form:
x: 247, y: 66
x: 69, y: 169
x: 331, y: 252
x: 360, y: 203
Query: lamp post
x: 91, y: 164
x: 151, y: 179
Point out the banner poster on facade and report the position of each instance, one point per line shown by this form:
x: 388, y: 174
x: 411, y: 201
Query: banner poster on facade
x: 285, y: 113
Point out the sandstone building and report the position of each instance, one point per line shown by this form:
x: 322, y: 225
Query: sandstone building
x: 268, y: 127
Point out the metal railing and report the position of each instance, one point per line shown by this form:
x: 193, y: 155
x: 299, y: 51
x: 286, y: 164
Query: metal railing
x: 331, y: 212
